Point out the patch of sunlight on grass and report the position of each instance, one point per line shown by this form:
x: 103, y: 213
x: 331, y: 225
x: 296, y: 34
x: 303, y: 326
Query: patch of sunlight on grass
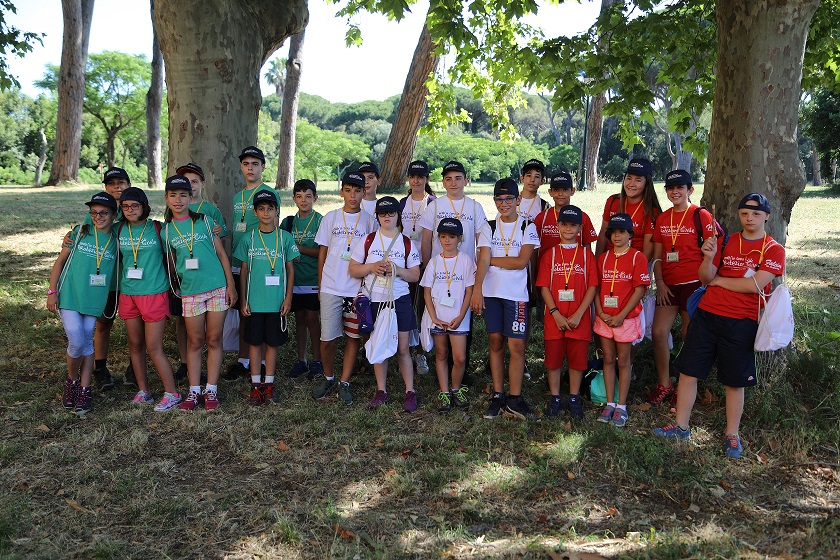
x: 494, y: 476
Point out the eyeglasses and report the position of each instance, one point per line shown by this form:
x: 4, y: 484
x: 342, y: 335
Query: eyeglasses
x: 505, y: 199
x: 130, y: 207
x: 100, y: 214
x: 387, y: 214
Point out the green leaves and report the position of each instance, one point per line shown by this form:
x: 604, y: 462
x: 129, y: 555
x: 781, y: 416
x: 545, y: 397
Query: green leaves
x: 15, y: 42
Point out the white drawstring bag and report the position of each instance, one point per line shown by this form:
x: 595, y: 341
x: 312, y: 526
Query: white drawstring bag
x: 775, y: 328
x: 426, y: 338
x: 383, y: 341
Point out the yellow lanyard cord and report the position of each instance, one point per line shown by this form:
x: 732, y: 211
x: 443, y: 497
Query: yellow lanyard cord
x: 249, y: 201
x: 675, y: 235
x: 571, y: 264
x: 191, y: 244
x: 355, y: 228
x: 528, y: 214
x: 449, y: 275
x: 416, y: 215
x: 200, y: 204
x: 458, y: 215
x: 507, y: 244
x: 276, y: 249
x: 99, y: 256
x: 615, y: 268
x: 135, y: 250
x: 761, y: 253
x: 300, y: 236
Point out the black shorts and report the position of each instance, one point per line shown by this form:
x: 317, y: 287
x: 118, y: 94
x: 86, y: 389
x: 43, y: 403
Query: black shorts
x: 109, y: 313
x: 264, y: 328
x: 305, y: 302
x: 406, y: 320
x: 728, y: 341
x: 176, y: 308
x: 236, y: 277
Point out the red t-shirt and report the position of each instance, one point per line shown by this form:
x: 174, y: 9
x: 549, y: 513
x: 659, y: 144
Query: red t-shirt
x: 642, y: 224
x: 549, y: 231
x: 579, y: 264
x: 675, y: 231
x: 631, y: 271
x: 740, y: 256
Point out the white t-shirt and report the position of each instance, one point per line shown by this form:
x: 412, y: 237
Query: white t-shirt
x: 369, y: 206
x: 529, y: 208
x: 462, y: 269
x: 467, y: 210
x: 412, y: 215
x: 396, y: 255
x: 333, y: 234
x: 500, y: 282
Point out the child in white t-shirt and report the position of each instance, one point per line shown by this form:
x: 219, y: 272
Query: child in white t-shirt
x: 370, y: 172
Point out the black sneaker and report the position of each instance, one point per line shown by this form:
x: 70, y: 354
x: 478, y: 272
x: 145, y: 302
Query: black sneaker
x: 518, y: 408
x: 104, y: 380
x: 181, y: 372
x: 445, y: 401
x: 494, y: 410
x: 315, y: 369
x: 554, y: 408
x: 300, y: 368
x: 459, y: 398
x: 130, y: 378
x: 84, y: 401
x: 575, y: 407
x: 236, y: 371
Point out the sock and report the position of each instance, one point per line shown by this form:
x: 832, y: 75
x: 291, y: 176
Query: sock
x: 269, y: 379
x: 345, y: 383
x: 330, y: 378
x: 195, y: 389
x: 621, y: 407
x: 99, y: 364
x: 255, y: 379
x: 209, y: 387
x: 611, y: 404
x: 245, y: 362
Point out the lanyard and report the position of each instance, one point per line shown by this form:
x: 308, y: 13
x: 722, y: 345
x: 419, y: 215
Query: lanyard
x: 675, y: 235
x: 761, y: 253
x: 571, y: 264
x: 242, y: 219
x: 299, y: 236
x: 449, y: 275
x: 507, y: 243
x: 355, y: 228
x: 527, y: 215
x: 458, y: 215
x: 386, y: 252
x: 276, y: 247
x: 135, y: 250
x: 191, y: 244
x: 615, y: 268
x: 200, y: 204
x: 416, y: 215
x: 99, y: 256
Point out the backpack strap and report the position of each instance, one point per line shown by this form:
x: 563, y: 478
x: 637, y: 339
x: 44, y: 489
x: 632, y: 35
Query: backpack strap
x: 286, y: 224
x: 408, y: 246
x: 368, y: 242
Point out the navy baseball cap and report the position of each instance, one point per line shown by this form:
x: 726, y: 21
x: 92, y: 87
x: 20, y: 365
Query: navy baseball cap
x: 353, y: 178
x: 104, y: 199
x: 418, y: 167
x: 135, y: 194
x: 453, y: 166
x: 252, y: 151
x: 761, y: 202
x: 304, y: 184
x: 621, y: 221
x: 191, y: 168
x: 115, y: 173
x: 533, y: 164
x: 387, y: 204
x: 571, y: 214
x: 369, y: 167
x: 677, y: 177
x: 177, y: 183
x: 561, y: 180
x: 506, y: 186
x: 639, y: 166
x: 450, y: 225
x: 265, y: 197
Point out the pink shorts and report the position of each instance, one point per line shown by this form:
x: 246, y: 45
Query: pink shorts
x: 151, y: 309
x: 629, y: 331
x: 198, y: 304
x: 573, y: 349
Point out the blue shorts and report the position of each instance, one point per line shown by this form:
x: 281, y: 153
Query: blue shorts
x: 406, y: 319
x: 728, y: 341
x: 505, y: 316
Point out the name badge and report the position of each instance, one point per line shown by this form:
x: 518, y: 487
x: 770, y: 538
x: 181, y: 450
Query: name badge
x: 610, y: 301
x: 345, y: 255
x: 97, y: 280
x: 414, y: 236
x: 381, y: 281
x: 235, y: 270
x: 241, y: 226
x: 565, y: 295
x: 447, y: 301
x: 272, y: 280
x: 750, y: 272
x: 672, y: 256
x: 191, y: 264
x: 134, y: 273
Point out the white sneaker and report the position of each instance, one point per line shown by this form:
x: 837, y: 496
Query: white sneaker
x: 422, y: 366
x: 169, y: 400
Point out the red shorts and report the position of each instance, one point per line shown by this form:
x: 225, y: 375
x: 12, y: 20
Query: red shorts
x: 576, y: 352
x: 680, y: 294
x: 151, y: 308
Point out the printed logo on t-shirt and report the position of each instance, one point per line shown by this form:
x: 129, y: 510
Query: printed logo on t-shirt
x: 773, y: 265
x: 563, y: 268
x: 443, y: 276
x: 623, y: 276
x: 177, y: 242
x: 88, y: 247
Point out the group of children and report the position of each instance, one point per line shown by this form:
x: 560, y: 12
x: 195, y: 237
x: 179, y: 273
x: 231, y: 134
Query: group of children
x: 441, y: 262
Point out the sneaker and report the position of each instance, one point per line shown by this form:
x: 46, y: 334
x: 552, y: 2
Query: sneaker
x: 84, y: 401
x: 103, y: 378
x: 257, y: 397
x: 460, y: 398
x: 344, y: 394
x: 410, y: 402
x: 672, y: 431
x: 421, y: 364
x: 211, y: 400
x: 378, y: 399
x: 324, y: 387
x: 169, y: 400
x: 733, y: 446
x: 181, y: 372
x: 445, y: 402
x: 494, y: 410
x: 554, y: 408
x: 235, y: 371
x: 315, y: 369
x: 518, y: 408
x: 674, y: 402
x: 575, y: 407
x: 619, y: 417
x: 69, y: 393
x: 268, y: 394
x: 300, y: 368
x: 526, y: 374
x: 660, y: 394
x: 191, y: 402
x: 129, y: 378
x: 143, y: 397
x: 606, y: 414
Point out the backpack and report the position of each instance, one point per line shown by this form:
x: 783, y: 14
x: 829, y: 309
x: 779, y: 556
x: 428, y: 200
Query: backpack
x: 406, y: 244
x: 492, y: 224
x: 720, y: 231
x: 404, y: 201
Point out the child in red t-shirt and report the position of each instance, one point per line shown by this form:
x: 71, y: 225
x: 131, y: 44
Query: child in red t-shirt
x: 568, y: 281
x: 676, y: 259
x: 561, y: 189
x: 724, y: 327
x: 623, y: 277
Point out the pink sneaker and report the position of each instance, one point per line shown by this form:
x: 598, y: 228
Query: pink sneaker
x: 211, y: 400
x: 169, y: 400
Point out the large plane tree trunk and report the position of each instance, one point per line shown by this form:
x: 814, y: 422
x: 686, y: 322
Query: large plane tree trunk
x: 154, y: 100
x: 77, y: 16
x: 752, y: 140
x: 288, y: 118
x: 410, y: 112
x: 213, y: 80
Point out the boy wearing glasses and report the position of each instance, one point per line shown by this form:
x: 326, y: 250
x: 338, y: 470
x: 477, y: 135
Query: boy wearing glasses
x: 501, y: 294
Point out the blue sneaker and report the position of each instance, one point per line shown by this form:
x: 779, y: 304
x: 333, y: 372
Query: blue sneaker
x: 606, y: 414
x: 575, y: 407
x: 733, y: 446
x: 297, y: 370
x: 672, y: 431
x: 315, y: 369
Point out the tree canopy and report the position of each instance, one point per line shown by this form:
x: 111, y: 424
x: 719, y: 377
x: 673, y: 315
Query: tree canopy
x: 13, y: 42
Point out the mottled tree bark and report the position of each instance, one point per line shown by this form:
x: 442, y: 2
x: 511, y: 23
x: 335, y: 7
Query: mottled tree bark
x: 752, y: 140
x: 77, y: 16
x: 815, y: 162
x: 42, y: 157
x: 154, y: 100
x: 288, y: 118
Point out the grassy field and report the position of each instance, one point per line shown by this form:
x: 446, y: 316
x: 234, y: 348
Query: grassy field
x: 307, y: 479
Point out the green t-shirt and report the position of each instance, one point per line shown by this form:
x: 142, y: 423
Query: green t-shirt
x: 243, y: 213
x: 211, y: 211
x: 266, y: 295
x: 306, y: 268
x: 177, y: 235
x: 81, y: 285
x: 148, y: 265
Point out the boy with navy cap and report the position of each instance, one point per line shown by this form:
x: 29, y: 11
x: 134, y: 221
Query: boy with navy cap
x: 561, y: 188
x: 371, y: 174
x: 530, y: 203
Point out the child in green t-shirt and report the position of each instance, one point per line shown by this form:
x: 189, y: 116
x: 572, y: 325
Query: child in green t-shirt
x: 266, y: 288
x: 303, y: 226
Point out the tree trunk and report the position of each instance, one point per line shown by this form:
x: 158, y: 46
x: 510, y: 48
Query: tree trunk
x: 213, y: 80
x: 570, y: 113
x: 593, y: 139
x: 815, y: 162
x: 110, y: 146
x: 410, y: 112
x: 288, y: 118
x: 42, y: 157
x: 683, y: 156
x: 154, y: 100
x: 752, y: 140
x: 77, y: 15
x: 551, y: 114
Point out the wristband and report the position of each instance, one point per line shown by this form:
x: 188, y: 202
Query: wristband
x: 51, y: 292
x: 552, y: 310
